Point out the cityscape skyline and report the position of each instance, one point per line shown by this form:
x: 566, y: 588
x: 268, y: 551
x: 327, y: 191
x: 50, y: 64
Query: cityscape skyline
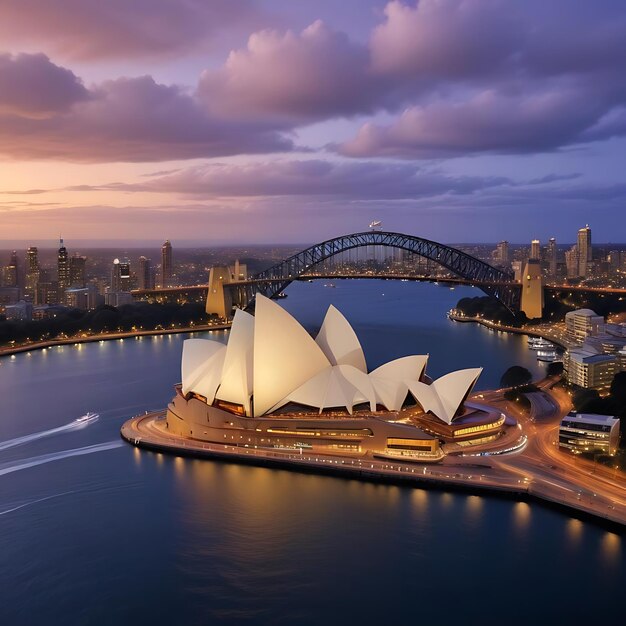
x: 252, y: 121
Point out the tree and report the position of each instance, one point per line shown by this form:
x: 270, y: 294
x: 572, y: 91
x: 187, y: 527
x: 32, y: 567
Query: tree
x: 555, y: 368
x: 618, y: 388
x: 584, y: 398
x: 516, y: 376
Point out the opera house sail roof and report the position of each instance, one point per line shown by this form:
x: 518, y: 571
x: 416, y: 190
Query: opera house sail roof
x: 271, y: 361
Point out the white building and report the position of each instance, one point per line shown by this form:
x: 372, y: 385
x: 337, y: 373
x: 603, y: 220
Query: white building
x: 589, y: 433
x: 583, y: 323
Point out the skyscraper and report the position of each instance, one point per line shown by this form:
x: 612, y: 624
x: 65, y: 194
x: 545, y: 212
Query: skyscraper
x: 502, y: 253
x: 145, y: 273
x: 9, y: 271
x: 572, y: 262
x: 63, y: 268
x: 584, y: 250
x: 552, y: 257
x: 535, y: 249
x: 120, y: 275
x: 77, y: 270
x: 166, y: 265
x: 32, y: 271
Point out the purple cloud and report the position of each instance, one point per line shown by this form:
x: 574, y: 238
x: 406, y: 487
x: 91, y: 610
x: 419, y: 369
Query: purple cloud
x: 437, y: 40
x: 93, y: 29
x: 32, y: 86
x: 292, y: 78
x: 487, y: 122
x: 133, y: 119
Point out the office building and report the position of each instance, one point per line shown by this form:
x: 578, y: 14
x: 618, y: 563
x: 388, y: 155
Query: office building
x: 501, y: 254
x: 145, y: 275
x: 47, y: 289
x: 572, y: 262
x: 9, y: 295
x: 32, y: 272
x: 584, y: 251
x: 9, y: 276
x: 21, y: 311
x: 120, y: 275
x: 583, y: 323
x: 77, y: 271
x: 165, y: 279
x: 63, y: 269
x: 589, y: 433
x: 552, y: 258
x: 586, y: 368
x: 118, y: 298
x: 535, y: 249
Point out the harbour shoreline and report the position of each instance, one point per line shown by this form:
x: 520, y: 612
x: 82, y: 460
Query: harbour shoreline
x: 40, y: 345
x: 507, y: 329
x: 459, y: 477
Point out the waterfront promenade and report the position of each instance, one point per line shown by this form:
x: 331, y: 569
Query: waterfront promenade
x: 555, y: 333
x: 65, y: 341
x: 533, y: 467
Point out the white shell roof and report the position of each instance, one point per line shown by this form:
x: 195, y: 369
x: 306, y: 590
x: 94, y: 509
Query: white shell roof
x: 272, y: 359
x: 285, y: 355
x: 339, y: 342
x: 201, y: 366
x: 338, y: 386
x: 444, y: 397
x: 236, y: 378
x: 390, y: 380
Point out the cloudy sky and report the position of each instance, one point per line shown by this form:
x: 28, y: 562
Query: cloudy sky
x: 223, y: 121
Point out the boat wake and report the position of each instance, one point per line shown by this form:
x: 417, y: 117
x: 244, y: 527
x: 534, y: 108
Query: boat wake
x: 20, y: 441
x: 57, y: 456
x: 22, y: 506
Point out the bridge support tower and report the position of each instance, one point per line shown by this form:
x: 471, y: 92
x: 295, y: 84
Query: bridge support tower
x: 219, y: 300
x: 532, y: 290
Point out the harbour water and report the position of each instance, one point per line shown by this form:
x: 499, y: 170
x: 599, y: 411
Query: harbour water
x: 93, y: 531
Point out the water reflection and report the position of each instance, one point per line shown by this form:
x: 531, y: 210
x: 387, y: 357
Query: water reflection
x: 521, y: 516
x: 612, y: 548
x: 574, y: 531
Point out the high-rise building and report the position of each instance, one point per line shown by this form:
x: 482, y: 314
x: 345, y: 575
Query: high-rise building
x: 120, y: 275
x: 584, y: 250
x: 63, y: 268
x: 166, y: 265
x: 47, y: 289
x: 145, y: 276
x: 9, y: 271
x: 552, y: 257
x: 535, y: 249
x: 572, y: 262
x: 32, y: 271
x: 77, y: 271
x: 502, y: 253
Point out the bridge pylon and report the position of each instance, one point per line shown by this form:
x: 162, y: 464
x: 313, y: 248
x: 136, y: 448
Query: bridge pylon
x: 219, y: 300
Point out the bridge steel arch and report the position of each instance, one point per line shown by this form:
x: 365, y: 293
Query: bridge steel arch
x: 493, y: 281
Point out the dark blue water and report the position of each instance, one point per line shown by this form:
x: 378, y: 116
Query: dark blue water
x: 112, y: 535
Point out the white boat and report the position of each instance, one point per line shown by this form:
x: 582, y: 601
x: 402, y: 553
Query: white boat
x: 539, y: 343
x: 88, y: 417
x: 329, y: 285
x: 549, y: 356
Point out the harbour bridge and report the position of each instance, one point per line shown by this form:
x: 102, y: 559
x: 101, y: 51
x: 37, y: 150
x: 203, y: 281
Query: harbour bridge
x: 224, y: 291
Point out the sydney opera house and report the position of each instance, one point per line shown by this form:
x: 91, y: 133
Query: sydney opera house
x: 274, y: 386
